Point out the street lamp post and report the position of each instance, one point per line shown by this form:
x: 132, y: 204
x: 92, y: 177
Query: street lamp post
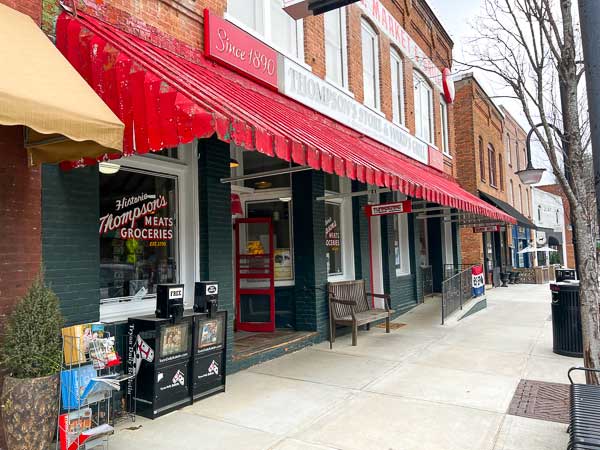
x: 532, y: 175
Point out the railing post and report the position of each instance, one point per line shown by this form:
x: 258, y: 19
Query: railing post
x: 460, y: 290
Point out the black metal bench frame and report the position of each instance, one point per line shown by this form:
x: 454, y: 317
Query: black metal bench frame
x: 584, y: 428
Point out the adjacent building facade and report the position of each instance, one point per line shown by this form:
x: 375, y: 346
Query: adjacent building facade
x: 489, y: 150
x: 549, y: 217
x: 518, y: 195
x: 567, y: 242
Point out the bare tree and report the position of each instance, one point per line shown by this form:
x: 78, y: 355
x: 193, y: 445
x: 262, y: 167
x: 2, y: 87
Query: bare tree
x: 533, y: 48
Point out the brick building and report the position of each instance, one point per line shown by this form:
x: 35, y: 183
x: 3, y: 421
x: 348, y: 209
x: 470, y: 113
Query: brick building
x: 518, y: 195
x: 355, y: 114
x: 20, y: 203
x: 482, y: 131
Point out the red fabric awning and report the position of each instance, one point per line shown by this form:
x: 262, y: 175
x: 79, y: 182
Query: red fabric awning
x: 165, y: 100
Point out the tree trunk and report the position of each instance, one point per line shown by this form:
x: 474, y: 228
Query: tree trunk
x: 589, y: 294
x: 581, y: 204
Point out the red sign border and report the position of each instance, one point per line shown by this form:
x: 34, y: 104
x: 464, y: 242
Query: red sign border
x: 484, y: 229
x: 406, y: 208
x: 208, y: 16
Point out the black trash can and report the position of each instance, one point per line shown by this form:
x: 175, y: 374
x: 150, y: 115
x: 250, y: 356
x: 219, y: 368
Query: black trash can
x: 566, y: 319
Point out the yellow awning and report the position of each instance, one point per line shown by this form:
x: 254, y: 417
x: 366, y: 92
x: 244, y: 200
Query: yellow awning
x: 39, y: 89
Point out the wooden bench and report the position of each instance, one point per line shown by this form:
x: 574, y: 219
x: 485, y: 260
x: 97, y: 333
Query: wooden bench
x: 584, y: 428
x: 350, y: 305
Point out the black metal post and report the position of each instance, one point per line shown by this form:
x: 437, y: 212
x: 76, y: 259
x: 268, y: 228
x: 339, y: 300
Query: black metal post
x: 589, y: 18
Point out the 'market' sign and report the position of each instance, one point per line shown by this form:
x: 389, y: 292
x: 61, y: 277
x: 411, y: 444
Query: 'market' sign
x: 386, y: 21
x: 301, y: 85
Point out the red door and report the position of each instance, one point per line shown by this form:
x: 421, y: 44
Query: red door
x: 255, y: 276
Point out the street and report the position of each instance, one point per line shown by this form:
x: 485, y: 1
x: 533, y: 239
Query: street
x: 424, y: 386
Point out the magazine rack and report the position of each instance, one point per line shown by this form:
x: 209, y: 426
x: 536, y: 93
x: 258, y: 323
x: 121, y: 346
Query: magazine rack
x: 88, y: 379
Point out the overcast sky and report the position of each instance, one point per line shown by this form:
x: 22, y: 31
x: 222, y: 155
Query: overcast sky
x: 456, y: 16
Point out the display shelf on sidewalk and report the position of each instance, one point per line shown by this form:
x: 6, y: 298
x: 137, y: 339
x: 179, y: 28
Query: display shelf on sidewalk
x: 90, y: 376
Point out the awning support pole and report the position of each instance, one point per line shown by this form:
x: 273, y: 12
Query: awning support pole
x: 266, y: 174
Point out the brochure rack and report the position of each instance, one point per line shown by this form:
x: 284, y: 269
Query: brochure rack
x: 89, y: 377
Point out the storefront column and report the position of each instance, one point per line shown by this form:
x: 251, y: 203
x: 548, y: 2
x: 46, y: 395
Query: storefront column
x: 402, y: 288
x: 312, y: 312
x: 216, y: 247
x: 360, y: 225
x: 70, y: 244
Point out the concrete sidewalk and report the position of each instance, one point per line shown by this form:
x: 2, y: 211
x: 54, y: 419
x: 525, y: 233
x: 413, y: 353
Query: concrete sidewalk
x: 424, y: 386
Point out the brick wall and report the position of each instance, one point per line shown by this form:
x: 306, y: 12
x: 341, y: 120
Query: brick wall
x: 70, y: 244
x: 33, y: 8
x: 215, y: 225
x: 479, y: 118
x: 20, y: 254
x: 515, y: 137
x: 309, y: 252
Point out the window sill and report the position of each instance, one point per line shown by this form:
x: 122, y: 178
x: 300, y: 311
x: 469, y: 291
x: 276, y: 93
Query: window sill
x: 375, y: 110
x: 260, y: 37
x: 343, y: 89
x: 403, y: 274
x: 447, y: 155
x: 401, y: 125
x: 433, y: 146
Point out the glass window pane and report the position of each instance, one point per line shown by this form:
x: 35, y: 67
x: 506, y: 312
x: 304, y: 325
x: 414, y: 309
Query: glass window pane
x: 369, y: 61
x: 279, y: 212
x: 138, y: 233
x: 397, y: 87
x: 423, y: 108
x: 401, y: 245
x: 255, y: 162
x: 249, y: 12
x: 283, y: 29
x: 333, y: 238
x: 332, y: 182
x: 172, y: 152
x: 334, y: 46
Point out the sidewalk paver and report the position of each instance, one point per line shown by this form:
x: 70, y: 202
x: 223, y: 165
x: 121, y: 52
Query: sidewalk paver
x: 423, y: 386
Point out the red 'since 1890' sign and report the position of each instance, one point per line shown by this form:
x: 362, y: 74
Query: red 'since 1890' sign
x: 233, y: 47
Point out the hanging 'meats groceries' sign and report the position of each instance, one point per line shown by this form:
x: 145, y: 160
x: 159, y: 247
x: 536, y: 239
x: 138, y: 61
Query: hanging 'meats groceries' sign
x: 384, y: 209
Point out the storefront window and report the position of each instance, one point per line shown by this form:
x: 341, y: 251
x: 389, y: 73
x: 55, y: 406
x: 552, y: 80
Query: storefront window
x: 401, y: 246
x: 279, y: 212
x: 138, y: 233
x: 250, y: 162
x: 333, y: 238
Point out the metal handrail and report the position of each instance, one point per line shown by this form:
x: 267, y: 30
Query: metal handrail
x: 454, y: 292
